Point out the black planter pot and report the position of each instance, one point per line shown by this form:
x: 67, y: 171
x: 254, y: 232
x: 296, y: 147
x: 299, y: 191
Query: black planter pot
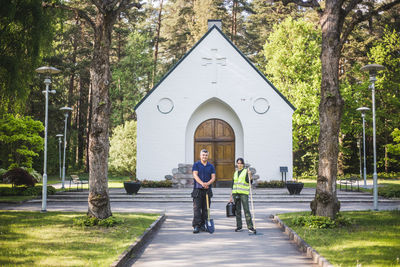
x: 294, y: 188
x: 132, y: 187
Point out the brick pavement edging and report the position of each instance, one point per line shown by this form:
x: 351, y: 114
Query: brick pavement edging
x: 301, y: 244
x: 128, y: 254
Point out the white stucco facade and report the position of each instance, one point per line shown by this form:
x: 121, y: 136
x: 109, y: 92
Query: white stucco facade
x: 213, y: 80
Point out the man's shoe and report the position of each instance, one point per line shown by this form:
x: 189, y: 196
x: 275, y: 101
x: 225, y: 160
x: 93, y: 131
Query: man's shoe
x: 196, y: 230
x: 203, y: 228
x: 239, y: 229
x: 252, y: 230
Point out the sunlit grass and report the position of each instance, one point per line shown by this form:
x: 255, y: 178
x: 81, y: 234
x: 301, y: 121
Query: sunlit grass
x: 50, y: 239
x: 374, y: 239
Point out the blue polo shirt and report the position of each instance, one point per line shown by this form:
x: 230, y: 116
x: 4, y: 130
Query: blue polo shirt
x: 204, y: 172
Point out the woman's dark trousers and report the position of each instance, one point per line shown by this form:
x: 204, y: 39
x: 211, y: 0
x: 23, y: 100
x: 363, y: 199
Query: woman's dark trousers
x: 239, y: 200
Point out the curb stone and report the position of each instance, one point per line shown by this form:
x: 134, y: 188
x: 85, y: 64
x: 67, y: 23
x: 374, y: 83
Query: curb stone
x: 301, y: 244
x: 129, y: 253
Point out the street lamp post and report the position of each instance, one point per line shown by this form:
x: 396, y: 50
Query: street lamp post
x: 359, y: 150
x: 363, y: 110
x: 66, y: 110
x: 47, y: 71
x: 373, y: 69
x: 59, y: 151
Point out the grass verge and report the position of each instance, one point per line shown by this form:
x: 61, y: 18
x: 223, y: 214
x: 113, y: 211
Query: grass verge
x: 373, y: 239
x: 50, y: 239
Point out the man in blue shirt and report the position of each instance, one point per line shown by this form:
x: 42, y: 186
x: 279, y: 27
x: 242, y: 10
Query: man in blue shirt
x: 204, y: 176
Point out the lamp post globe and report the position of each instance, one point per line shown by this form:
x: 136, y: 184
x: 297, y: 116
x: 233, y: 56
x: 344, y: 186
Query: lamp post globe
x: 47, y: 71
x: 373, y: 70
x: 66, y: 111
x: 363, y: 110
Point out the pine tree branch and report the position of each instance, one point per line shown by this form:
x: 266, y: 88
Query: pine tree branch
x: 305, y: 3
x: 82, y: 14
x: 350, y: 6
x: 126, y: 5
x: 363, y: 17
x: 98, y: 5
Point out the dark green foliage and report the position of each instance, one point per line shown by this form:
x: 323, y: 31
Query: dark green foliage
x: 153, y: 184
x: 26, y: 191
x: 320, y: 222
x: 389, y: 191
x: 93, y: 221
x: 2, y: 171
x: 19, y: 176
x: 271, y: 184
x: 19, y: 140
x: 25, y: 31
x: 131, y: 78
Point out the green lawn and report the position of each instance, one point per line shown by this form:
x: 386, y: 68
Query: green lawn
x: 50, y: 239
x: 374, y: 239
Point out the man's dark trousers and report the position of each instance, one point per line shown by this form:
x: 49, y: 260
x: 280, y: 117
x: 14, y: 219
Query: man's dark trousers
x: 200, y: 206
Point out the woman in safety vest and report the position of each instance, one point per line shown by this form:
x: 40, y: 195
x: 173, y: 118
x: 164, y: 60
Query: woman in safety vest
x: 240, y: 194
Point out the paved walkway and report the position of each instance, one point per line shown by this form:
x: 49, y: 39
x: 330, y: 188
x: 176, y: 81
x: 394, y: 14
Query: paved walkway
x: 175, y: 244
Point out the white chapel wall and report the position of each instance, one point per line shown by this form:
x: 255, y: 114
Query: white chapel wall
x: 202, y: 91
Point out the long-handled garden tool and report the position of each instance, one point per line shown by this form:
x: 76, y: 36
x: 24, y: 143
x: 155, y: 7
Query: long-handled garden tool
x: 253, y: 215
x: 210, y: 222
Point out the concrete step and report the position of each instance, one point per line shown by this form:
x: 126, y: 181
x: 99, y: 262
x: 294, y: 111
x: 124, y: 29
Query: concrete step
x: 221, y: 195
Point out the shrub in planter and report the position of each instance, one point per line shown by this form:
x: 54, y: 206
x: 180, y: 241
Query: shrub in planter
x: 132, y: 187
x: 294, y: 187
x: 271, y: 184
x: 155, y: 184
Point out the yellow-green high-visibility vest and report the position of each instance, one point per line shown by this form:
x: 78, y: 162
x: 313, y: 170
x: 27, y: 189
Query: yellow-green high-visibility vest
x: 239, y: 183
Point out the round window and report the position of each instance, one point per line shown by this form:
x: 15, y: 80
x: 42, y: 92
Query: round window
x: 261, y: 105
x: 165, y: 105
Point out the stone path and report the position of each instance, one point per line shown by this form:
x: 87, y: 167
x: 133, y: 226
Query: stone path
x: 175, y: 244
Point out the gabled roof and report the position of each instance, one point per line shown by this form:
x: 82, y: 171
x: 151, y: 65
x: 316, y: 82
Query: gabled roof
x: 190, y: 51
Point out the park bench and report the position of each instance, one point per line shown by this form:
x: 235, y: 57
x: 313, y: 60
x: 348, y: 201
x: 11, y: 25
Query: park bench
x: 76, y: 180
x: 349, y: 182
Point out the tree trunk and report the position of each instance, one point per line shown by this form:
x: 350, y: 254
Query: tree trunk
x: 83, y: 99
x: 325, y: 202
x: 156, y: 43
x: 99, y: 201
x: 88, y: 127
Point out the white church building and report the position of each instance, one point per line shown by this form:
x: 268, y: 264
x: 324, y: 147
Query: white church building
x: 214, y: 98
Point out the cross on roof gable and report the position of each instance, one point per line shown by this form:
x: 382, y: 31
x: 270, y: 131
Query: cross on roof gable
x: 188, y: 53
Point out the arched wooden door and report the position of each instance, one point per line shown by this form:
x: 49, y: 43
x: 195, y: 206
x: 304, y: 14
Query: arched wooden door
x: 218, y: 138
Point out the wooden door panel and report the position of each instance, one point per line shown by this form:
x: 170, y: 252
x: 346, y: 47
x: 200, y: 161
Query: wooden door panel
x: 223, y: 131
x: 205, y: 130
x: 224, y: 159
x: 225, y: 151
x: 225, y: 171
x: 204, y: 145
x: 218, y: 138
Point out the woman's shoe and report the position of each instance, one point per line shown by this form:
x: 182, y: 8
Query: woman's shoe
x: 252, y: 230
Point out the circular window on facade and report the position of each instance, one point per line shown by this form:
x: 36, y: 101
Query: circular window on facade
x: 261, y: 105
x: 165, y: 105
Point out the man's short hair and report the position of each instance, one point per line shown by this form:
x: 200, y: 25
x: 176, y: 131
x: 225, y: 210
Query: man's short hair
x: 204, y: 151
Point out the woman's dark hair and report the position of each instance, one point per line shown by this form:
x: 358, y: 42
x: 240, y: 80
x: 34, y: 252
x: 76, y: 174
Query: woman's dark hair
x: 240, y: 159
